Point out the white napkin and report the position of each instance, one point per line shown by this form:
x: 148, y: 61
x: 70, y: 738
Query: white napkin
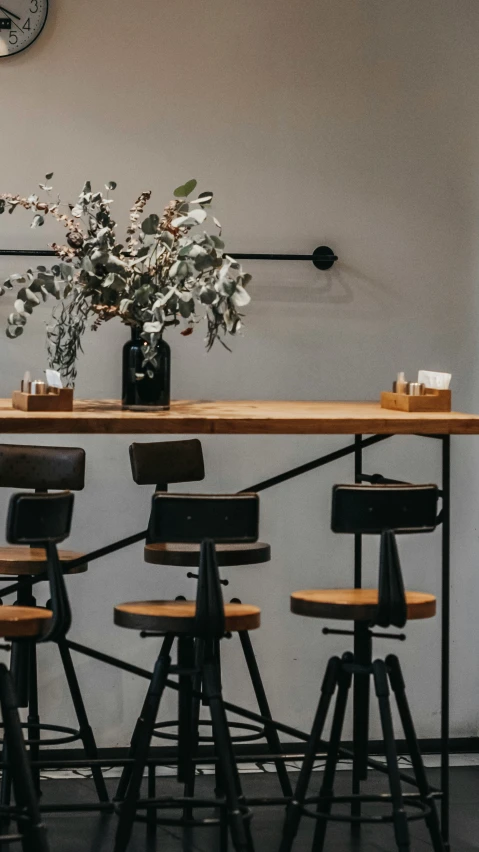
x: 438, y: 381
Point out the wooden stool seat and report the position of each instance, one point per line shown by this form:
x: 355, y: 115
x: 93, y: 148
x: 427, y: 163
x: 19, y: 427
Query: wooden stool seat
x: 355, y: 604
x: 178, y: 616
x: 188, y: 555
x: 31, y: 560
x: 24, y: 621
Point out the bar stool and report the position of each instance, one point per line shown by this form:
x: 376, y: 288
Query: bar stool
x: 161, y: 464
x: 382, y: 510
x: 205, y: 521
x: 43, y: 469
x: 44, y: 520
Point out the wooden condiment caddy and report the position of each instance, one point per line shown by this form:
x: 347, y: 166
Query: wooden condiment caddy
x: 60, y: 400
x: 431, y: 400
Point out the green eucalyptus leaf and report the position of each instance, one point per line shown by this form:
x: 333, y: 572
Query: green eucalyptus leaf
x: 111, y: 185
x: 186, y: 308
x: 203, y: 262
x: 38, y: 221
x: 174, y: 269
x: 184, y: 250
x: 167, y: 238
x: 150, y: 225
x: 207, y: 296
x: 204, y: 198
x: 49, y: 176
x: 13, y: 331
x: 32, y: 297
x: 17, y: 319
x: 185, y: 189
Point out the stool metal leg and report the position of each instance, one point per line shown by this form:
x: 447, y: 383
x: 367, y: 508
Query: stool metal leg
x: 128, y: 768
x: 143, y: 735
x: 19, y: 667
x: 34, y: 838
x: 86, y: 732
x: 293, y: 811
x: 398, y: 687
x: 151, y: 815
x: 19, y: 672
x: 324, y: 803
x: 33, y: 719
x: 401, y: 829
x: 240, y: 830
x: 271, y: 734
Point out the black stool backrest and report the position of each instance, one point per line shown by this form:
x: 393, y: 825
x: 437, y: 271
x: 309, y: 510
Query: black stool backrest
x: 44, y: 520
x: 206, y: 519
x: 162, y: 463
x: 42, y: 468
x: 386, y: 510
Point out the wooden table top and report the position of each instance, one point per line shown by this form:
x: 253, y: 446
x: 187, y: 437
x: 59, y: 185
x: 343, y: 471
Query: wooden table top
x: 236, y: 418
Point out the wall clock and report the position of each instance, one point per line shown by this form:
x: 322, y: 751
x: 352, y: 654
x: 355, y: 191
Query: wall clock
x: 21, y: 22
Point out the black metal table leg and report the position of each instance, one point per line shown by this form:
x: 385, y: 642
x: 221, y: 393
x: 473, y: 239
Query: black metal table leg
x: 362, y: 654
x: 445, y: 630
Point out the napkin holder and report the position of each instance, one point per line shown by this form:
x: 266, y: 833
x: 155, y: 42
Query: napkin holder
x: 59, y: 400
x: 431, y: 400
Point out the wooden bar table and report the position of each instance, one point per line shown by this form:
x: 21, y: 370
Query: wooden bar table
x: 286, y: 418
x: 237, y: 418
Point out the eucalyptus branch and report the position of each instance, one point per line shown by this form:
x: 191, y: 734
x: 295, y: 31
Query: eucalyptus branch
x: 169, y: 272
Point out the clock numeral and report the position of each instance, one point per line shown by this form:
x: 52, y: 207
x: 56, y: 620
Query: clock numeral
x: 33, y: 6
x: 13, y: 37
x: 26, y: 25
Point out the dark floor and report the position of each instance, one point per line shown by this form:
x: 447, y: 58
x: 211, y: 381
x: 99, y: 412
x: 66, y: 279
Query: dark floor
x: 88, y: 832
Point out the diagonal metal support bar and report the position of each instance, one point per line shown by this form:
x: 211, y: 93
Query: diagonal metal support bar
x: 313, y: 465
x: 69, y: 564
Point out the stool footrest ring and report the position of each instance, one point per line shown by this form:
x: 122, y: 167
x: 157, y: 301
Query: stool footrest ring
x: 167, y: 802
x: 72, y: 734
x: 258, y: 732
x: 412, y: 800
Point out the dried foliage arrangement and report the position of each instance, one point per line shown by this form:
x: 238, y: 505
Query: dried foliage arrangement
x: 168, y: 271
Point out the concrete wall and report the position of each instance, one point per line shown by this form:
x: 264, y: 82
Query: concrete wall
x: 353, y: 124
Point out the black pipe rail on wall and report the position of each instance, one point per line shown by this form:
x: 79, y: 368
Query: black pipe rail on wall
x: 322, y: 257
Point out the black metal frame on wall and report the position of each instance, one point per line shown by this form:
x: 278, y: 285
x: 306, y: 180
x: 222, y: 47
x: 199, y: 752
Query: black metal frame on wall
x: 322, y: 257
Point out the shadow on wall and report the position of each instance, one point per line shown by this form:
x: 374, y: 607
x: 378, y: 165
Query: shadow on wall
x: 341, y: 285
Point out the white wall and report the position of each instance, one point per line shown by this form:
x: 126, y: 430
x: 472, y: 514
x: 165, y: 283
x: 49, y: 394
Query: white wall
x: 349, y: 123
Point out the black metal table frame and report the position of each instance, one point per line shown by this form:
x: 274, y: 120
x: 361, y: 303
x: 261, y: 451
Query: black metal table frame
x: 360, y: 759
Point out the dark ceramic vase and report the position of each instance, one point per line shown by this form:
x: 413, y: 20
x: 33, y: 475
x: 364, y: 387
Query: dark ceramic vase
x: 145, y: 386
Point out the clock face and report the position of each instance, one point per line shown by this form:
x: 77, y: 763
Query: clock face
x: 21, y: 22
